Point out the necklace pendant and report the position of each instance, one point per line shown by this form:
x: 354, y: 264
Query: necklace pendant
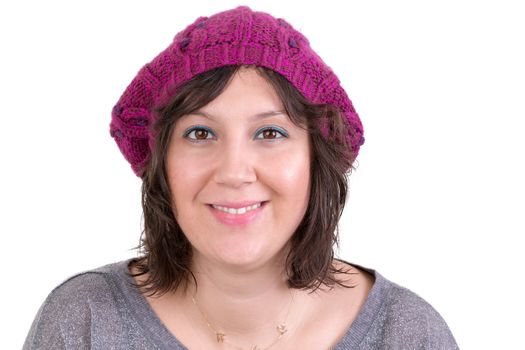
x: 220, y: 337
x: 282, y: 329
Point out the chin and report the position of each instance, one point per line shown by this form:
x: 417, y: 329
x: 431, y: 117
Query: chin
x: 243, y: 260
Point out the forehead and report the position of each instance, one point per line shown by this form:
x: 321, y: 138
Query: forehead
x: 247, y: 91
x: 248, y: 94
x: 254, y: 117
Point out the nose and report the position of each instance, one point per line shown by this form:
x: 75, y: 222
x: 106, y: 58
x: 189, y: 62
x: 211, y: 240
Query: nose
x: 235, y: 166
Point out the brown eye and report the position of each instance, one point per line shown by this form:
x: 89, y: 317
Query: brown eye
x: 196, y: 134
x: 201, y: 134
x: 269, y: 134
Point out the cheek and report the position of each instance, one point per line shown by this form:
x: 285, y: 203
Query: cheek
x: 289, y: 176
x: 185, y: 179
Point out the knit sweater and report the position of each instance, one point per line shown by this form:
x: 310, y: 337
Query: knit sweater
x: 101, y: 309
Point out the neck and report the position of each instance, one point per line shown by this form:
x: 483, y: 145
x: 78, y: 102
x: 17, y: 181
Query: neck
x: 241, y: 302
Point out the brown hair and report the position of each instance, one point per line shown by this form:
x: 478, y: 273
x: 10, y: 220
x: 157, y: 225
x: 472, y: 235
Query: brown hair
x: 309, y: 264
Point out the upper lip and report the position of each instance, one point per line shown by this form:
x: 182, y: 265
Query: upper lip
x: 237, y: 204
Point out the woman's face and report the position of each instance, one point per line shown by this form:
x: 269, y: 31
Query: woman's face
x: 239, y: 172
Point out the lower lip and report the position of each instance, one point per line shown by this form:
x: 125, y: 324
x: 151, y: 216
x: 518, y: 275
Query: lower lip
x: 237, y: 219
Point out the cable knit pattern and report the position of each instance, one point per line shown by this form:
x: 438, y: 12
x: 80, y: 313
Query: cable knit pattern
x: 234, y: 37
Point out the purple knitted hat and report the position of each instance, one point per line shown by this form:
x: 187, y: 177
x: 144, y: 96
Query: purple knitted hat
x: 234, y: 37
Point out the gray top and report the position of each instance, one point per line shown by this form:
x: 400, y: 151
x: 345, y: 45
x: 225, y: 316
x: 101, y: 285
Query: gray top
x: 100, y: 309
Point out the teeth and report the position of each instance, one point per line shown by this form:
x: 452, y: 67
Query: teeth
x: 237, y: 211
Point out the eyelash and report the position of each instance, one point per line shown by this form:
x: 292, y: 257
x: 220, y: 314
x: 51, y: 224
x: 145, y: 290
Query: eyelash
x: 193, y: 129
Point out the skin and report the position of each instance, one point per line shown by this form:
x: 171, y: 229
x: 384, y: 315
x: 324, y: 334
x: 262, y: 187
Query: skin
x: 239, y: 158
x: 223, y: 153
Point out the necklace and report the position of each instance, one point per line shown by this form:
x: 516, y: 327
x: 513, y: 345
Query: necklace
x: 222, y: 338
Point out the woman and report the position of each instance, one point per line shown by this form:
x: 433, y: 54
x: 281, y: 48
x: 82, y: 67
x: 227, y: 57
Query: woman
x: 243, y: 138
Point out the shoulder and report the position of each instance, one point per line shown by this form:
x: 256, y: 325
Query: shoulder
x: 409, y: 308
x: 80, y: 290
x: 67, y: 312
x: 407, y: 320
x: 394, y: 317
x: 85, y: 284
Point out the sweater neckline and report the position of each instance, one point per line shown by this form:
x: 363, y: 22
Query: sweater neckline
x: 164, y: 339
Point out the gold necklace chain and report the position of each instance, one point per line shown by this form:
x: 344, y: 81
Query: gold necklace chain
x: 222, y: 338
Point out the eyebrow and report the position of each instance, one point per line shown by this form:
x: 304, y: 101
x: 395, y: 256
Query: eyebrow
x: 253, y: 117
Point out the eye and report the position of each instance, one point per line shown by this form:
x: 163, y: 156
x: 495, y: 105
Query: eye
x: 199, y: 133
x: 271, y: 133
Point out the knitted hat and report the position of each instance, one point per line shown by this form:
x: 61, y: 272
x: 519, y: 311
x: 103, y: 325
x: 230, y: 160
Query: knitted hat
x: 234, y: 37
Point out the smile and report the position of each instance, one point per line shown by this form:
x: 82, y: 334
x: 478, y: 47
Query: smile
x: 237, y: 211
x: 237, y: 214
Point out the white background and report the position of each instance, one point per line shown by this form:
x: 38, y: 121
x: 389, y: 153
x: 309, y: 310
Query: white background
x: 436, y: 204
